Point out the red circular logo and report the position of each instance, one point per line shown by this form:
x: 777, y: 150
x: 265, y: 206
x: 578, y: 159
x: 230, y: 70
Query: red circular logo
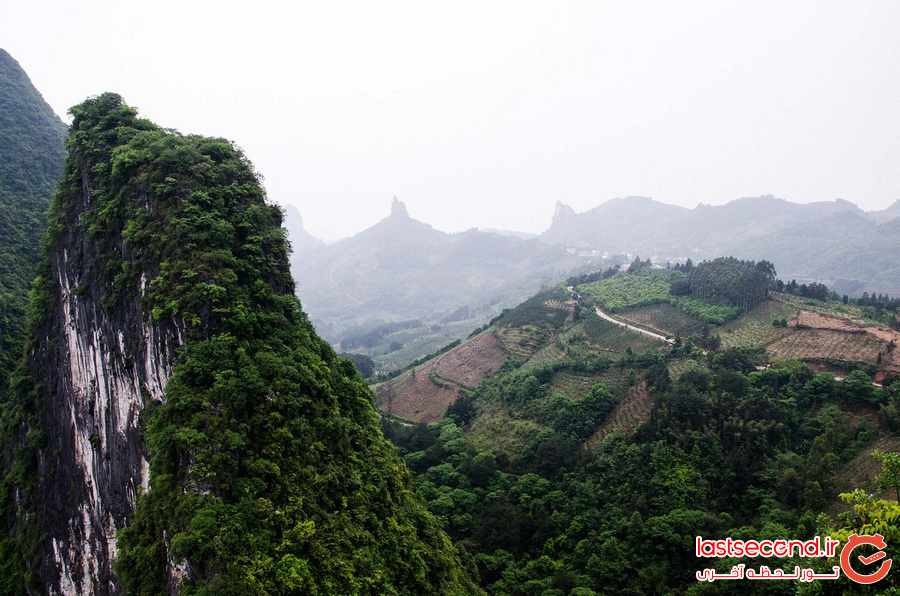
x: 876, y: 540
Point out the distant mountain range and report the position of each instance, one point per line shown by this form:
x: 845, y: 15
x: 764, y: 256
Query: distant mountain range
x: 442, y: 285
x: 401, y: 288
x: 834, y: 242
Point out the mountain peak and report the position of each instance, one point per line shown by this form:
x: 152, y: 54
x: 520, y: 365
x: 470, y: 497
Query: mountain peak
x: 398, y: 209
x: 562, y: 212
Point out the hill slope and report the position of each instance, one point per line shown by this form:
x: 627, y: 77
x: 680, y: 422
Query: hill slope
x: 167, y: 330
x: 31, y: 161
x: 593, y: 442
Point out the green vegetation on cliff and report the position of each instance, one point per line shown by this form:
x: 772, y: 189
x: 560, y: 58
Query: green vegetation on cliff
x: 31, y: 160
x: 269, y: 474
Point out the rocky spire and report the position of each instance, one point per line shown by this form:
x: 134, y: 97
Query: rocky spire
x: 562, y: 213
x: 398, y: 209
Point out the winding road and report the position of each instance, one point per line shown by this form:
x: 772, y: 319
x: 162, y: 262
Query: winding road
x: 634, y: 328
x: 614, y: 321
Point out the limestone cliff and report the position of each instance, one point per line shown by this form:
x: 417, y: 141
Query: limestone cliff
x: 176, y: 424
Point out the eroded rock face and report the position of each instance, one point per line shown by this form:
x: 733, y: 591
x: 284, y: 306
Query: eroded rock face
x: 97, y: 368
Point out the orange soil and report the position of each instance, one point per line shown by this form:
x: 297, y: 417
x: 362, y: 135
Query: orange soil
x: 425, y: 393
x: 890, y: 358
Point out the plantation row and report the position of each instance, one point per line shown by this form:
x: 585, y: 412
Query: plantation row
x: 650, y: 287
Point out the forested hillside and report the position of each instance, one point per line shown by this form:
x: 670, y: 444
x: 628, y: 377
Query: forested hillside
x: 590, y: 456
x: 178, y: 426
x: 31, y: 161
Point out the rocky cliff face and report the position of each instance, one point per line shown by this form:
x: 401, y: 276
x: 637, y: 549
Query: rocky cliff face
x: 99, y: 369
x: 176, y: 424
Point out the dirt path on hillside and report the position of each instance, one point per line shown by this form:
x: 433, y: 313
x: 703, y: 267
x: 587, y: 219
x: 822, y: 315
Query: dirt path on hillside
x: 619, y: 323
x: 634, y: 328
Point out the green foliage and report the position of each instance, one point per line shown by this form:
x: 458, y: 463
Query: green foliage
x: 728, y: 450
x: 268, y: 471
x: 733, y: 282
x: 535, y: 311
x: 31, y: 161
x: 709, y: 313
x: 364, y: 365
x: 889, y: 477
x: 646, y: 286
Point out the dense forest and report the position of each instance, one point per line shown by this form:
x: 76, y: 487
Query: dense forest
x: 31, y: 161
x: 727, y: 280
x: 268, y: 472
x: 729, y: 451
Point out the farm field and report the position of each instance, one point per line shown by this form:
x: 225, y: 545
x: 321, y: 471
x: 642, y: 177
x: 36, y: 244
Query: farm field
x: 625, y: 290
x: 827, y: 344
x: 424, y: 393
x: 662, y: 318
x: 576, y: 385
x: 616, y: 339
x: 628, y: 415
x: 838, y: 309
x: 523, y: 342
x: 630, y: 290
x: 890, y: 359
x: 755, y: 328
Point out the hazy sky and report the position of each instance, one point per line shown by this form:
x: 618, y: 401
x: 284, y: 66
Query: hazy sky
x: 486, y: 113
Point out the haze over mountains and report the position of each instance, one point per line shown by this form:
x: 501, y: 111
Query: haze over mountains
x: 404, y: 270
x: 834, y: 242
x: 401, y: 288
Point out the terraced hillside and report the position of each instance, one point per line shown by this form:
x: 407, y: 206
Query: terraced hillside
x: 663, y: 318
x: 628, y: 415
x: 576, y: 385
x: 591, y: 424
x: 423, y: 393
x: 756, y: 328
x: 551, y: 329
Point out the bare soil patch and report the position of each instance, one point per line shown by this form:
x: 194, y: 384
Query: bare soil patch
x: 424, y: 393
x: 827, y: 344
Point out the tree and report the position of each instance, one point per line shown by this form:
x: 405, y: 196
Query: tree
x: 889, y: 477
